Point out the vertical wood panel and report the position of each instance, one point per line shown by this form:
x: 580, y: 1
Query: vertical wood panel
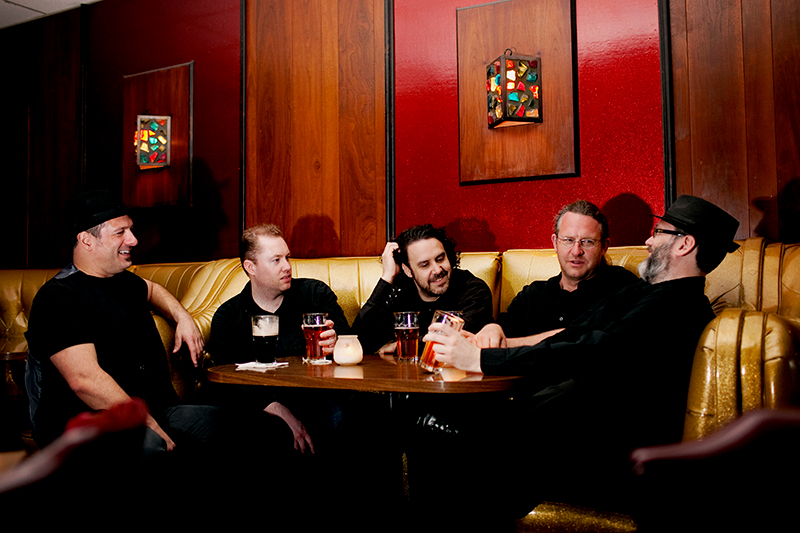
x: 361, y: 127
x: 719, y: 145
x: 268, y: 105
x: 318, y: 170
x: 737, y: 114
x: 54, y: 157
x: 165, y: 92
x: 680, y: 95
x: 305, y: 129
x: 530, y: 28
x: 786, y: 45
x: 786, y: 61
x: 759, y: 113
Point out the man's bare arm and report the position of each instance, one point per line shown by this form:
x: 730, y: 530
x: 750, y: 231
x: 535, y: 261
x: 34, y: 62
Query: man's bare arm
x: 79, y: 367
x: 531, y: 339
x: 493, y: 336
x: 185, y: 328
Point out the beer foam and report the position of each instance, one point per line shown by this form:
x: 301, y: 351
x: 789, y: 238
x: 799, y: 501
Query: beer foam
x: 265, y: 329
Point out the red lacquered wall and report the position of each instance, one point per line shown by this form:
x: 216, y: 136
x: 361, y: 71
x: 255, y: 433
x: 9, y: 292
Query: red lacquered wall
x: 621, y: 142
x: 127, y: 38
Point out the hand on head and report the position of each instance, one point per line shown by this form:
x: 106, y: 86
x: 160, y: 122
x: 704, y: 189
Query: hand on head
x: 390, y: 268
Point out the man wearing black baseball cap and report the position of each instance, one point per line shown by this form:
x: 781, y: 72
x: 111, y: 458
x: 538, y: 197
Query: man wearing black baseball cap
x: 92, y: 340
x: 615, y: 379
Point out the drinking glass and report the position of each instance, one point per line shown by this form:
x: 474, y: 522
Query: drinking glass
x: 428, y: 360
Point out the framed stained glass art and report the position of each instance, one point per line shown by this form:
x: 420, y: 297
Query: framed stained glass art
x: 157, y: 112
x: 152, y: 141
x: 495, y: 93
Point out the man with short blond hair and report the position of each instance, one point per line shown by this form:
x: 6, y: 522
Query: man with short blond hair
x: 271, y: 290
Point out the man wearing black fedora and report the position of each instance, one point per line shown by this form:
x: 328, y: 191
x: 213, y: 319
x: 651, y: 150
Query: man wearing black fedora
x: 92, y: 340
x: 613, y: 380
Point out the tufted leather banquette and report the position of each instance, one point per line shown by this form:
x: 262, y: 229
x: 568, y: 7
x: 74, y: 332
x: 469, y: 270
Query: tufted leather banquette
x: 747, y: 358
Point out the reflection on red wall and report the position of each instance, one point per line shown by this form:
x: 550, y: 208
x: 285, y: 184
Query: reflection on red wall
x: 621, y: 151
x: 133, y: 37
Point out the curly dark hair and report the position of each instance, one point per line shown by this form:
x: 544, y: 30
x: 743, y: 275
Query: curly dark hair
x: 420, y: 233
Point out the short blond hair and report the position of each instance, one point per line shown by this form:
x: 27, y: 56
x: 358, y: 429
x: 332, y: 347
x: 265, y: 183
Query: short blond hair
x: 248, y: 246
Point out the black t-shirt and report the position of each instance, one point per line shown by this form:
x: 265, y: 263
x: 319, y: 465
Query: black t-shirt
x: 113, y: 315
x: 231, y: 332
x: 467, y: 294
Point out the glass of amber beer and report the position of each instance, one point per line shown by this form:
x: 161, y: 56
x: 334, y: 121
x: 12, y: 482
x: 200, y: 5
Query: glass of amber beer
x: 406, y: 331
x: 265, y: 337
x: 313, y: 326
x: 428, y: 360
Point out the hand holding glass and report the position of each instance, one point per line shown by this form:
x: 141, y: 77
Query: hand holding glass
x: 428, y: 360
x: 314, y: 324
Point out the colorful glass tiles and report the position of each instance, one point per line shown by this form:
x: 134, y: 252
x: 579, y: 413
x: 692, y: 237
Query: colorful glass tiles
x: 152, y: 141
x: 523, y: 100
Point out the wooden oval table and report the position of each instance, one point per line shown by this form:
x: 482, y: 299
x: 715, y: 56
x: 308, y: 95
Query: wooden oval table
x: 374, y: 373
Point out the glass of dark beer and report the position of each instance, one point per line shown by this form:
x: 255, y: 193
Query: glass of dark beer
x: 406, y: 331
x: 265, y: 337
x: 428, y: 360
x: 313, y: 326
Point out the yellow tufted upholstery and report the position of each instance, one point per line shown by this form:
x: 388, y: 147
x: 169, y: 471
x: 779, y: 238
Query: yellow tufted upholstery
x: 175, y: 277
x: 748, y: 356
x: 522, y: 267
x: 17, y: 289
x: 745, y: 360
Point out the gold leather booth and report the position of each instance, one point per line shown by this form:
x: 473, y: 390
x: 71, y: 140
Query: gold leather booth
x: 746, y: 359
x: 758, y: 287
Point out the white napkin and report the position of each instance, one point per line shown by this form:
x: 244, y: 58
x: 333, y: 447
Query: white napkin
x: 261, y: 367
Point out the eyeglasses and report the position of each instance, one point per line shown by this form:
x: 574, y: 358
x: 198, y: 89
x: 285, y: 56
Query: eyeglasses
x: 656, y: 231
x: 569, y: 242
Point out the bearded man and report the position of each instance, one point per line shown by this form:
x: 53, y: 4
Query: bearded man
x: 615, y: 379
x: 430, y: 280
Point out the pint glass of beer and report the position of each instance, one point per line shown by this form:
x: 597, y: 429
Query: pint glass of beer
x: 265, y: 337
x: 313, y: 326
x: 428, y: 360
x: 406, y: 331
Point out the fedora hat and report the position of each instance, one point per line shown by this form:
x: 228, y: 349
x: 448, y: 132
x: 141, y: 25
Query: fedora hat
x: 709, y: 224
x: 88, y: 209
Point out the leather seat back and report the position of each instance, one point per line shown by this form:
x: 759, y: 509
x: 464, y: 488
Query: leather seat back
x: 17, y: 289
x: 522, y: 267
x: 745, y: 360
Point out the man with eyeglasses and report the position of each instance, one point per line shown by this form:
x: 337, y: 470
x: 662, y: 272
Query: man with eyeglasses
x: 580, y: 238
x: 614, y: 380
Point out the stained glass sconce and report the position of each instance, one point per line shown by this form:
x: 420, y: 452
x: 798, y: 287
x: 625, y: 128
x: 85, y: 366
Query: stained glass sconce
x: 153, y: 140
x: 514, y: 90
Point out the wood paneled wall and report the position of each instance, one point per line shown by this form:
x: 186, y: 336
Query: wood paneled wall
x: 162, y: 92
x: 736, y: 70
x: 41, y: 138
x: 315, y: 123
